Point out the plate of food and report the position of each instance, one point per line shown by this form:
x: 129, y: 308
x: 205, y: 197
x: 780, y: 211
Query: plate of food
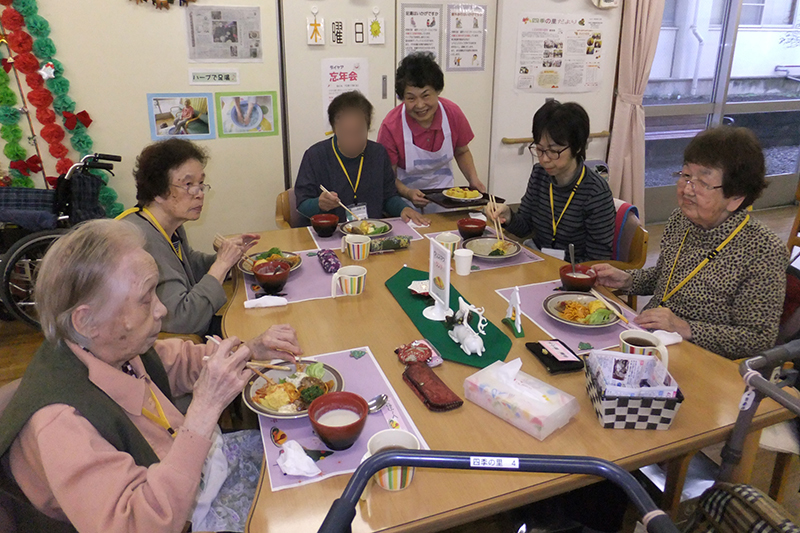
x: 462, y: 194
x: 289, y: 392
x: 371, y: 227
x: 272, y: 254
x: 492, y: 247
x: 579, y: 309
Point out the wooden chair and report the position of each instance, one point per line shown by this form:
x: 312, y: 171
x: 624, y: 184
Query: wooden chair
x: 286, y: 214
x: 794, y: 238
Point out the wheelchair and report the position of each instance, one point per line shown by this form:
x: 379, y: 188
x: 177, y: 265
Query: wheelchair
x: 32, y: 219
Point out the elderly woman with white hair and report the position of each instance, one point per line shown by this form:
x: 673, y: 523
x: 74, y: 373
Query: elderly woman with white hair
x: 91, y: 440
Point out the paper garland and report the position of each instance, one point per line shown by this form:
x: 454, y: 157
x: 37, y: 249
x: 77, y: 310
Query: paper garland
x: 49, y: 89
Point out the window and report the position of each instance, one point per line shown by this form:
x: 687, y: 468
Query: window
x: 768, y: 12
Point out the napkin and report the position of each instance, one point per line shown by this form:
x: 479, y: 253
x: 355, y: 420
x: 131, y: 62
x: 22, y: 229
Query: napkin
x: 266, y: 301
x: 479, y: 216
x: 294, y: 461
x: 414, y: 225
x: 668, y: 337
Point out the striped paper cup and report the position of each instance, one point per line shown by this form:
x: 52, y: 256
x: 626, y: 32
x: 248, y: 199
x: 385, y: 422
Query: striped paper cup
x: 394, y: 477
x: 351, y: 279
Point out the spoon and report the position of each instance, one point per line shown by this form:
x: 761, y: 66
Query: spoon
x: 377, y: 403
x: 572, y: 256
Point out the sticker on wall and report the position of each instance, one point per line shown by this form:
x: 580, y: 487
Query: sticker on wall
x: 247, y: 114
x: 315, y: 27
x: 359, y: 31
x: 337, y: 33
x: 214, y: 77
x: 184, y: 115
x: 377, y: 31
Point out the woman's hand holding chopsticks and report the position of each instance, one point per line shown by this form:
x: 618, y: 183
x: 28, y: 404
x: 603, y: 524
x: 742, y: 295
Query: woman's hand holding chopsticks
x: 278, y: 342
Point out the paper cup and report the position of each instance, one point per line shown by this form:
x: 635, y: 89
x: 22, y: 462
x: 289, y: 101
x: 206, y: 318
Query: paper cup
x: 448, y: 240
x: 351, y: 279
x: 394, y: 477
x: 463, y: 259
x: 643, y: 343
x: 356, y: 246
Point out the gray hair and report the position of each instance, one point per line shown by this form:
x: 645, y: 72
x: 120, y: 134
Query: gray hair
x: 77, y: 270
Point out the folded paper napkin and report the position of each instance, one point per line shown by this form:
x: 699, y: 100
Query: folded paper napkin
x: 668, y: 337
x: 479, y: 216
x: 266, y: 301
x: 294, y: 461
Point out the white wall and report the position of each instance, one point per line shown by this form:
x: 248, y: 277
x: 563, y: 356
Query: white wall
x: 115, y: 51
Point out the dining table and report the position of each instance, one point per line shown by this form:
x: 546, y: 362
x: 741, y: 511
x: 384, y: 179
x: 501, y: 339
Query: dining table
x: 440, y: 499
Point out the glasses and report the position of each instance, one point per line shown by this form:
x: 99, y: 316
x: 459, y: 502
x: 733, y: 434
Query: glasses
x: 551, y: 154
x: 193, y: 189
x: 684, y: 179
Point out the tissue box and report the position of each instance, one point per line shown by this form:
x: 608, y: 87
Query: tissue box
x: 523, y: 401
x: 629, y: 412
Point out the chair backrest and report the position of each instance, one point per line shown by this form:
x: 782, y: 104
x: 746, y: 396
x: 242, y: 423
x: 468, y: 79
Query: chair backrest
x: 794, y: 239
x: 286, y: 215
x: 630, y: 237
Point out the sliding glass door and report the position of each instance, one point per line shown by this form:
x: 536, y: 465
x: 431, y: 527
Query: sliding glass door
x: 724, y: 62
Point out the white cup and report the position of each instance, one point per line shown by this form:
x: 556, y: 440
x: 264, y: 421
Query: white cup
x: 449, y: 240
x: 463, y: 258
x: 643, y: 343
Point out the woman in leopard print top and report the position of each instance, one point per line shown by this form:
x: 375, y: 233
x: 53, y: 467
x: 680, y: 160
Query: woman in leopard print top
x: 732, y: 305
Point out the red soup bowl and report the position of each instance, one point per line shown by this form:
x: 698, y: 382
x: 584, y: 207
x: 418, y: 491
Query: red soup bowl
x: 324, y: 224
x: 338, y: 418
x: 272, y: 275
x: 582, y: 280
x: 471, y: 227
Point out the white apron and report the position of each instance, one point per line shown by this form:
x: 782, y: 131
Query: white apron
x: 424, y: 169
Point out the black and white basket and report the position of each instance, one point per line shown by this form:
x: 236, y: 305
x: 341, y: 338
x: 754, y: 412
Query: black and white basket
x: 631, y: 413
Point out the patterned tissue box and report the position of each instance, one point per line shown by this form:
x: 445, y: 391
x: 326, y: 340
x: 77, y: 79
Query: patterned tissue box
x: 631, y: 413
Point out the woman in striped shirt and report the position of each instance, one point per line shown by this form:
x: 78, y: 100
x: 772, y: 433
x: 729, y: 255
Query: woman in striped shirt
x: 566, y: 202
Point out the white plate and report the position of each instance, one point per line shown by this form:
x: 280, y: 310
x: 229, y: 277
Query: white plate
x: 482, y: 246
x: 447, y: 194
x: 550, y: 305
x: 346, y: 228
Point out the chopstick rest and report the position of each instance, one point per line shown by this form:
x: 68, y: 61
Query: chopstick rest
x: 430, y: 389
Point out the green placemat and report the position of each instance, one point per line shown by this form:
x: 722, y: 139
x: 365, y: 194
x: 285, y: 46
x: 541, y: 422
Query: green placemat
x: 496, y: 342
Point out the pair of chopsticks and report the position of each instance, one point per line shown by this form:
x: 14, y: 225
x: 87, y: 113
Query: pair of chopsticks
x: 608, y: 305
x: 322, y: 187
x: 498, y: 228
x: 253, y: 365
x: 248, y: 261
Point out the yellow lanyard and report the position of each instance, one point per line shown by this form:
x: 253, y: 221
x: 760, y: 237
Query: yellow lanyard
x: 553, y: 209
x: 156, y: 224
x: 161, y: 419
x: 360, y: 166
x: 703, y: 263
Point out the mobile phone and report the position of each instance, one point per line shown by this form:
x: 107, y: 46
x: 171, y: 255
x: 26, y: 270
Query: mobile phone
x: 556, y: 356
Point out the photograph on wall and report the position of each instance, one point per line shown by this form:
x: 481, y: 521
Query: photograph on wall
x: 247, y: 114
x: 466, y: 37
x: 421, y: 29
x: 559, y: 53
x: 180, y: 114
x: 340, y: 75
x: 224, y: 34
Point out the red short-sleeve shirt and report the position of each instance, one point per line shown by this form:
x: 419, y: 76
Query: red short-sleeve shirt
x: 390, y: 134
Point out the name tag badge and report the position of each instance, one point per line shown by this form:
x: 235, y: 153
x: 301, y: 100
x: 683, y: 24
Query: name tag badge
x: 359, y: 209
x: 552, y: 252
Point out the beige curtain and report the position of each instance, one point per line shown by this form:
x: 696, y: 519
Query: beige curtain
x: 641, y: 23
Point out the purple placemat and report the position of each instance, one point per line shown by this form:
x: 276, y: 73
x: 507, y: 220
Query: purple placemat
x: 532, y: 296
x: 309, y: 282
x: 334, y: 242
x: 522, y: 258
x: 362, y: 376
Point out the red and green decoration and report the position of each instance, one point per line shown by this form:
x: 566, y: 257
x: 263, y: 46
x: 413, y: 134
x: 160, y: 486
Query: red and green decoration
x: 45, y: 96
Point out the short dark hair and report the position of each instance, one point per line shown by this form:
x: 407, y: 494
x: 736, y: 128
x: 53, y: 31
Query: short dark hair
x: 567, y: 124
x: 156, y: 161
x: 419, y: 69
x: 350, y: 100
x: 737, y: 152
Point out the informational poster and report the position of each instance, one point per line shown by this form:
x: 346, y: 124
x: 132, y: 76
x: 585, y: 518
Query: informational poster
x: 466, y: 36
x: 421, y: 29
x: 219, y: 76
x: 224, y: 34
x: 559, y: 53
x: 340, y: 75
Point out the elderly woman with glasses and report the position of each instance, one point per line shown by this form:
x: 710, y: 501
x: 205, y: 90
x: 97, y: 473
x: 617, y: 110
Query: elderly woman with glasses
x: 566, y: 202
x: 91, y: 440
x: 170, y: 191
x: 721, y: 275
